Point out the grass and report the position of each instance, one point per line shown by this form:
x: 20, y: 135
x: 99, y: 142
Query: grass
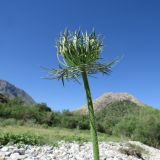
x: 52, y: 135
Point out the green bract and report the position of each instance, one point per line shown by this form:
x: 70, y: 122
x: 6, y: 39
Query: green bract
x: 76, y: 52
x: 78, y: 49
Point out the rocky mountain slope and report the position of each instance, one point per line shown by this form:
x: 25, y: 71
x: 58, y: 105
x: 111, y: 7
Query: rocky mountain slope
x: 10, y: 91
x: 108, y: 98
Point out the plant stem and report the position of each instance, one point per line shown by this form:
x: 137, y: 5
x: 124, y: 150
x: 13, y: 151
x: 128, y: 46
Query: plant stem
x: 91, y: 116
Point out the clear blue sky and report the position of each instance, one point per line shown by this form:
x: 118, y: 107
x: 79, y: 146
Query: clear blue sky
x: 29, y: 28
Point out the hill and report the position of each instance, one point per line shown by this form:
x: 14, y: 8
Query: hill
x: 10, y: 91
x: 109, y: 98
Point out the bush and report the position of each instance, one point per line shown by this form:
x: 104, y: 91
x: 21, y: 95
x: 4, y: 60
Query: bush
x: 83, y: 122
x: 72, y: 120
x: 108, y: 117
x: 78, y: 139
x: 143, y: 126
x: 9, y: 121
x: 6, y: 138
x: 16, y: 109
x: 43, y: 107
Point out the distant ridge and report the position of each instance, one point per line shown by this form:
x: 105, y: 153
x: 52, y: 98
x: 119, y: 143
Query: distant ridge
x: 108, y: 98
x: 10, y: 91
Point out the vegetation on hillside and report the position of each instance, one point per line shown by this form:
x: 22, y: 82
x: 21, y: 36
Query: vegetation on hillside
x: 120, y: 119
x: 111, y: 115
x: 143, y: 126
x: 16, y: 109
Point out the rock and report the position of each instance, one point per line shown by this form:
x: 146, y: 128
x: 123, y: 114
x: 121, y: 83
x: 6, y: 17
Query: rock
x: 74, y: 151
x: 20, y: 151
x: 15, y: 156
x: 7, y: 154
x: 2, y: 156
x: 4, y: 149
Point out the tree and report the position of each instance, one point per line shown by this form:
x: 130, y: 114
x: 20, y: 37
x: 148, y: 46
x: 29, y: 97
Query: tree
x: 79, y: 55
x: 3, y: 98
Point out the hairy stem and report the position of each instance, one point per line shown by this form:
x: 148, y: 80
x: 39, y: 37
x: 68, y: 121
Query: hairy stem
x: 91, y: 116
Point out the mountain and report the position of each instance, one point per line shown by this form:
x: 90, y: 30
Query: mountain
x: 109, y: 98
x: 10, y: 91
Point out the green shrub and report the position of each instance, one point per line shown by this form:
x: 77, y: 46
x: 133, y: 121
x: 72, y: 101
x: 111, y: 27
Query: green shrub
x: 16, y: 109
x: 15, y: 112
x: 43, y: 107
x: 83, y: 122
x: 143, y: 126
x: 71, y: 120
x: 108, y: 117
x: 6, y: 138
x: 79, y: 139
x: 9, y: 121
